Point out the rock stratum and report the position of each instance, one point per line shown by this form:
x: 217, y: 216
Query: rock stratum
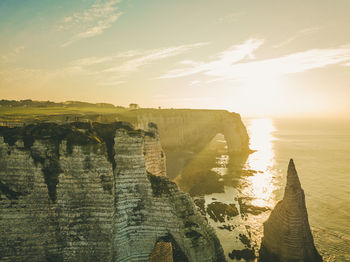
x: 287, y: 234
x: 184, y: 129
x: 186, y: 132
x: 94, y: 192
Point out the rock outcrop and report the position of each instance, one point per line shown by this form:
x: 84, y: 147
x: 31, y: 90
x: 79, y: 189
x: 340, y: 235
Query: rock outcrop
x: 184, y: 129
x: 287, y: 234
x: 94, y: 192
x: 186, y: 132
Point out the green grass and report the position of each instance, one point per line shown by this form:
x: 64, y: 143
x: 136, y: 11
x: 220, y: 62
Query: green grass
x: 28, y: 114
x: 25, y: 111
x: 59, y: 113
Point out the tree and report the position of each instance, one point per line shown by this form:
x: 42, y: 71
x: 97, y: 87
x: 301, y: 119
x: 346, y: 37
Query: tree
x: 134, y: 106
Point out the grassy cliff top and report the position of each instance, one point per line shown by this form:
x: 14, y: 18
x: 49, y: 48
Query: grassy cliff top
x: 29, y: 111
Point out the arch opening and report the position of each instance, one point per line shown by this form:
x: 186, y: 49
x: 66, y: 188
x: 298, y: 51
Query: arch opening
x: 167, y: 250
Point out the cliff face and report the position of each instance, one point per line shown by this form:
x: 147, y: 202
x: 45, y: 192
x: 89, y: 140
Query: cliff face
x: 193, y: 129
x: 287, y: 234
x: 69, y: 221
x: 95, y: 192
x: 186, y: 132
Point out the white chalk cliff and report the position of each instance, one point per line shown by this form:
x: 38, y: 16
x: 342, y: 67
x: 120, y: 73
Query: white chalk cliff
x: 95, y: 192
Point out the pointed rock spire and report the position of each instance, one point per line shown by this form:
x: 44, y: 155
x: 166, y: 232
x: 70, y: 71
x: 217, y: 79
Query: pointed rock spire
x: 293, y: 191
x: 287, y: 234
x: 293, y: 182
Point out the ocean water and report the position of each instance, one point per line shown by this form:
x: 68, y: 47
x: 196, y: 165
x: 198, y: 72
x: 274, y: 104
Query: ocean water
x: 321, y: 152
x: 252, y: 187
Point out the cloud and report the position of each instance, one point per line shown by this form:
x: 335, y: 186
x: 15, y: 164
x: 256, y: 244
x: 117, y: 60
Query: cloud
x: 110, y: 70
x: 194, y: 82
x: 12, y: 55
x: 115, y: 68
x: 231, y: 64
x: 18, y: 76
x: 91, y: 61
x: 142, y: 59
x: 91, y: 22
x: 299, y: 34
x: 233, y: 17
x: 221, y: 61
x: 124, y: 63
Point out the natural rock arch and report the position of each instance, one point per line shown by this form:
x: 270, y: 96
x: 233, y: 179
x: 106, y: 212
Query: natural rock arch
x: 194, y: 129
x: 184, y: 133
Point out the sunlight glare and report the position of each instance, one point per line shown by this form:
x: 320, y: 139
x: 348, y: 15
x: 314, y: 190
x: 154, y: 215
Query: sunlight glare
x: 266, y: 95
x: 261, y: 184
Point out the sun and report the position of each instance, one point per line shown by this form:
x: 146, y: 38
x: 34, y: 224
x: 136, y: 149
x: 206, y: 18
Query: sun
x: 264, y: 95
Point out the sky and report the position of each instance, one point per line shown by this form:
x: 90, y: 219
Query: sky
x: 257, y: 58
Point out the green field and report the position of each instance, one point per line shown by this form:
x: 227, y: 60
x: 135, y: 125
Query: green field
x: 37, y: 111
x: 56, y: 113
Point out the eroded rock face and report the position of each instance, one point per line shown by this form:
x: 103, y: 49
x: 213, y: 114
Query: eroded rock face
x: 87, y: 192
x: 184, y: 132
x: 287, y: 234
x: 150, y: 207
x: 153, y: 152
x: 193, y: 129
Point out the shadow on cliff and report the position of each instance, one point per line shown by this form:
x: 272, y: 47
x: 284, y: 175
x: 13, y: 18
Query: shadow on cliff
x: 210, y: 170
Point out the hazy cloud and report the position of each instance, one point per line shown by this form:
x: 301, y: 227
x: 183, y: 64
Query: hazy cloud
x: 230, y: 64
x: 299, y: 34
x: 18, y: 76
x: 91, y: 61
x: 141, y: 59
x: 107, y: 71
x: 12, y: 55
x: 113, y: 69
x: 91, y: 22
x: 230, y: 18
x: 194, y: 82
x: 221, y: 62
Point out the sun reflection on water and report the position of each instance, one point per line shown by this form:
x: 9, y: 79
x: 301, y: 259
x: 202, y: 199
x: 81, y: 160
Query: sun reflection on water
x: 259, y: 187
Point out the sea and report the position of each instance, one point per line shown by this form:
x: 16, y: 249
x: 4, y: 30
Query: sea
x: 252, y: 186
x: 320, y: 149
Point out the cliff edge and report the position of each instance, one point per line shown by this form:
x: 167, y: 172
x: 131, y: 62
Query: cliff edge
x: 94, y: 192
x: 184, y: 132
x: 287, y: 234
